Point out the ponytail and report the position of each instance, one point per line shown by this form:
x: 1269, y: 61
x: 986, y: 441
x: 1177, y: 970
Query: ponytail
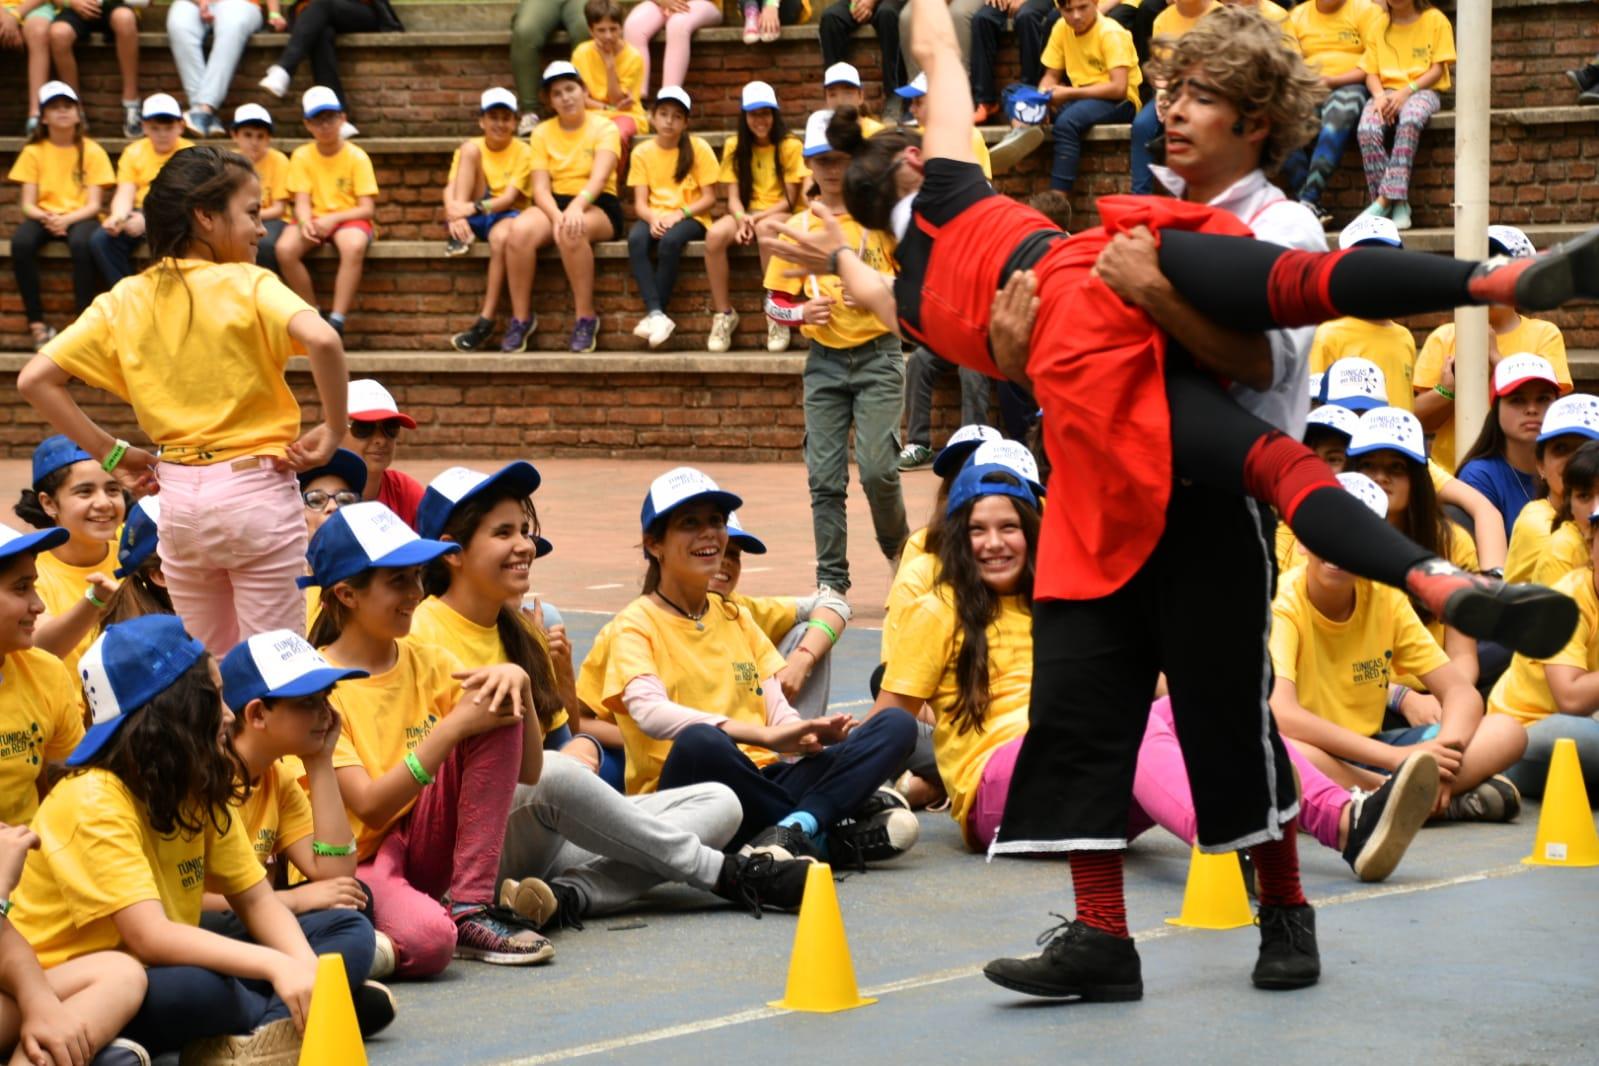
x: 870, y: 191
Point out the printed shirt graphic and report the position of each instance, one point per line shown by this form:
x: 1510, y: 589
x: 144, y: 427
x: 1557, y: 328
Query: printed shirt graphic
x: 41, y: 721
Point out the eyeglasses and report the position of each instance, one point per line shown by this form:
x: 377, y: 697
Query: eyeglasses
x: 362, y: 430
x: 316, y: 499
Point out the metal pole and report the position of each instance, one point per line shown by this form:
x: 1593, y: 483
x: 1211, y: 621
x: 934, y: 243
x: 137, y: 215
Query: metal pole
x: 1473, y: 135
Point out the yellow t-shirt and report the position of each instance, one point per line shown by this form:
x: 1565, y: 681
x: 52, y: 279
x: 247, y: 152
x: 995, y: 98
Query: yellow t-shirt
x: 1530, y: 335
x: 63, y: 182
x: 921, y: 663
x: 61, y: 585
x: 1089, y: 58
x: 277, y: 813
x: 656, y: 167
x: 912, y: 581
x: 1286, y: 550
x: 850, y: 326
x: 590, y: 66
x: 1523, y: 689
x: 1334, y: 43
x: 591, y: 675
x: 1271, y: 11
x: 140, y: 163
x: 336, y: 182
x: 41, y: 721
x: 772, y: 615
x: 1173, y: 23
x: 200, y: 357
x: 1529, y: 538
x: 98, y: 855
x: 273, y: 170
x: 915, y: 545
x: 980, y: 151
x: 1564, y: 553
x: 766, y: 187
x: 1388, y: 344
x: 436, y: 622
x: 1399, y: 55
x: 568, y: 155
x: 1342, y: 669
x: 388, y: 715
x: 511, y: 166
x: 718, y: 669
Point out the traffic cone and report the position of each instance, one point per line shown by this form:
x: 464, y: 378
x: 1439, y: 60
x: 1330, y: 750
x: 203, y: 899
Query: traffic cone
x: 1214, y: 897
x: 821, y: 977
x: 1566, y: 835
x: 332, y: 1036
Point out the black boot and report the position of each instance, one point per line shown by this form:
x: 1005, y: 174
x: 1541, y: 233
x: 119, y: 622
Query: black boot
x: 1081, y: 963
x: 1288, y: 955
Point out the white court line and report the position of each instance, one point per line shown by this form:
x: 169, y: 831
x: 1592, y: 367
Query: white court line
x: 849, y: 703
x: 596, y: 588
x: 939, y: 977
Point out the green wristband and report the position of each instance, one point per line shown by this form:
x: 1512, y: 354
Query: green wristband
x: 418, y: 771
x: 586, y: 196
x: 118, y: 450
x: 1448, y: 394
x: 817, y: 623
x: 89, y: 595
x: 336, y: 851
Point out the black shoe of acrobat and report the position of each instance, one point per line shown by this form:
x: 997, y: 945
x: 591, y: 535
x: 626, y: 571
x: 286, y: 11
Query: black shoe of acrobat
x: 1568, y: 271
x: 1080, y: 963
x: 1288, y: 955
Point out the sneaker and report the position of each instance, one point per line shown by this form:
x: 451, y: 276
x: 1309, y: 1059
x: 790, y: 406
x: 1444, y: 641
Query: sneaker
x: 777, y: 337
x: 759, y: 880
x: 43, y: 337
x: 723, y: 323
x: 784, y: 843
x: 1078, y: 962
x: 1531, y: 619
x: 1589, y: 97
x: 132, y: 122
x: 1584, y: 78
x: 585, y: 335
x: 338, y: 326
x: 273, y: 1044
x: 121, y: 1052
x: 383, y: 958
x: 276, y: 81
x: 886, y: 798
x: 662, y: 330
x: 527, y: 124
x: 1383, y: 823
x: 646, y: 326
x: 752, y: 23
x: 1376, y: 210
x: 893, y: 108
x: 1323, y: 216
x: 1400, y: 213
x: 530, y: 897
x: 196, y: 122
x: 29, y: 126
x: 1288, y: 956
x: 493, y: 935
x: 456, y: 247
x: 1016, y: 145
x: 375, y: 1008
x: 518, y: 332
x: 915, y: 456
x: 1565, y: 272
x: 348, y: 131
x: 879, y: 837
x: 1495, y: 800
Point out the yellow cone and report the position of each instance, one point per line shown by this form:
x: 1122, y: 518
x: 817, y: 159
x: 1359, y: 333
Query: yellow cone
x: 1215, y: 896
x: 332, y: 1037
x: 1566, y: 835
x: 821, y: 977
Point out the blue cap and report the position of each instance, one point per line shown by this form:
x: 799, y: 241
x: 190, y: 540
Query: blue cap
x: 130, y: 664
x: 345, y: 465
x: 989, y: 479
x: 916, y: 87
x: 55, y: 452
x: 749, y: 542
x: 365, y: 536
x: 277, y: 664
x: 679, y: 486
x: 962, y: 443
x: 1577, y: 414
x: 138, y: 535
x: 458, y: 484
x: 13, y: 542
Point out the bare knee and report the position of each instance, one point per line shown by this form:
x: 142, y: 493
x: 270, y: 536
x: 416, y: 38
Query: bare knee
x: 63, y: 36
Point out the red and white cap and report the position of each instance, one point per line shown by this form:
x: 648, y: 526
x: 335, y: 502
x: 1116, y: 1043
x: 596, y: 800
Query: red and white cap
x: 1516, y: 370
x: 371, y: 402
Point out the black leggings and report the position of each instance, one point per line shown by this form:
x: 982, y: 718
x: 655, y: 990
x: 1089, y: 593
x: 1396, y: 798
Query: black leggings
x: 29, y: 239
x: 315, y: 24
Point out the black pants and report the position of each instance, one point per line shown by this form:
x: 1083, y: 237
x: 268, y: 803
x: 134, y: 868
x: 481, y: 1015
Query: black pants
x: 921, y: 370
x: 315, y: 24
x: 837, y: 26
x: 266, y: 252
x: 1032, y: 24
x: 29, y: 239
x: 657, y: 281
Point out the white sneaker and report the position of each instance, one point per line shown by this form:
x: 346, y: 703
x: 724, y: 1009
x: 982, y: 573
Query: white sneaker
x: 646, y: 326
x: 527, y: 124
x: 662, y: 330
x: 723, y: 323
x: 383, y: 960
x: 348, y: 131
x: 777, y: 337
x: 276, y: 81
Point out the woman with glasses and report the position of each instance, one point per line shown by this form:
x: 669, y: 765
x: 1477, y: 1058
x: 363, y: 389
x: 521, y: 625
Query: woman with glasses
x: 375, y: 424
x: 323, y: 490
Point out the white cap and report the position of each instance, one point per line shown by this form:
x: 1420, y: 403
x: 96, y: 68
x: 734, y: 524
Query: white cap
x: 1370, y: 229
x: 251, y: 113
x: 1012, y: 455
x: 1389, y: 429
x: 496, y: 97
x: 917, y: 87
x: 816, y: 133
x: 51, y: 90
x: 1576, y: 414
x: 1511, y: 241
x: 1516, y: 370
x: 677, y: 487
x: 1315, y: 386
x: 559, y: 69
x: 160, y: 105
x: 675, y: 93
x: 1366, y: 491
x: 1355, y: 383
x: 758, y: 94
x: 1334, y: 417
x: 841, y: 74
x: 370, y: 402
x: 318, y: 99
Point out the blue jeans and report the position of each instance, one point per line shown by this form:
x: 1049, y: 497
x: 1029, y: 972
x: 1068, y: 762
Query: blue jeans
x: 1532, y: 772
x: 1072, y: 124
x: 1146, y: 127
x: 657, y: 280
x: 113, y: 255
x: 266, y: 252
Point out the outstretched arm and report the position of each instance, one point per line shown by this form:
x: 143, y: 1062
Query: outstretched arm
x: 947, y: 131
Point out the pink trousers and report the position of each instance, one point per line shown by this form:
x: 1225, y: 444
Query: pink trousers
x: 647, y: 19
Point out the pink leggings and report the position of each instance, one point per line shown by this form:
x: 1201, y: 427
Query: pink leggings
x: 646, y: 20
x: 1160, y: 788
x: 448, y: 845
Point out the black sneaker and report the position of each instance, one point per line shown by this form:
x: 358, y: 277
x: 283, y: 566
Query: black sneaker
x: 783, y: 843
x: 1323, y: 216
x: 374, y: 1008
x: 475, y: 338
x: 1288, y: 956
x: 1568, y: 271
x: 879, y: 837
x: 456, y: 247
x: 884, y: 799
x: 759, y: 880
x: 1080, y: 963
x: 1383, y: 823
x: 1495, y: 800
x: 1584, y: 78
x: 1531, y: 619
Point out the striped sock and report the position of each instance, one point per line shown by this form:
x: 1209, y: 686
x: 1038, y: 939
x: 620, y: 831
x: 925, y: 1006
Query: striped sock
x: 1277, y: 869
x: 1097, y: 880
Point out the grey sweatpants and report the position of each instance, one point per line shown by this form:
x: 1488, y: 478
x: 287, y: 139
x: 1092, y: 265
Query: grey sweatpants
x: 810, y: 701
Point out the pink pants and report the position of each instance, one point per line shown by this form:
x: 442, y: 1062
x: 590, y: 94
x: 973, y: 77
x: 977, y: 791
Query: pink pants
x: 646, y: 20
x: 448, y: 846
x: 232, y: 541
x: 1160, y: 789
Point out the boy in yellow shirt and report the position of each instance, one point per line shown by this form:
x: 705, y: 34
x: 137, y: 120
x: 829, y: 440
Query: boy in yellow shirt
x: 612, y: 71
x: 116, y: 21
x: 1387, y: 344
x: 123, y: 228
x: 335, y: 200
x: 252, y: 136
x: 1091, y: 74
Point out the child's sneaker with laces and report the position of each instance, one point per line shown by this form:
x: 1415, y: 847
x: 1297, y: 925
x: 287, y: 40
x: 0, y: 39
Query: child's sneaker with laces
x: 474, y: 338
x: 662, y: 330
x: 783, y: 843
x: 1495, y: 800
x: 494, y: 935
x: 777, y: 337
x: 517, y: 333
x: 752, y: 23
x: 759, y: 880
x: 1383, y: 823
x: 885, y: 834
x: 585, y: 335
x: 132, y: 121
x: 723, y: 323
x: 276, y: 82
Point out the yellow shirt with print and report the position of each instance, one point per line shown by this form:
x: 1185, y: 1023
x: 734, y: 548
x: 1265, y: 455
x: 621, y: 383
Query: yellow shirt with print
x: 436, y: 622
x: 590, y: 66
x: 41, y: 721
x: 1334, y: 43
x: 61, y: 585
x: 850, y: 327
x: 656, y: 168
x: 1342, y: 669
x: 718, y: 669
x: 200, y: 357
x: 1522, y: 691
x: 277, y: 813
x: 1529, y: 335
x: 912, y: 581
x: 1089, y: 58
x: 1529, y: 537
x: 766, y: 188
x: 62, y: 173
x: 772, y: 615
x: 510, y: 167
x: 98, y: 855
x: 1399, y: 55
x: 921, y: 664
x: 1388, y: 344
x: 568, y: 155
x: 336, y: 182
x: 386, y: 716
x: 140, y: 163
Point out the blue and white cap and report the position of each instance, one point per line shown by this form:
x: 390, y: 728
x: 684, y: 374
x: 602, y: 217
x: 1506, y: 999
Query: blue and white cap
x: 745, y: 540
x: 962, y: 443
x: 557, y: 70
x: 917, y: 87
x: 979, y: 479
x: 1366, y: 491
x: 53, y: 453
x: 816, y: 134
x: 344, y: 465
x: 1370, y: 230
x: 139, y: 540
x: 319, y: 98
x: 458, y: 484
x: 365, y: 536
x: 246, y: 114
x: 277, y: 664
x: 130, y: 664
x: 678, y: 486
x: 1577, y: 414
x: 160, y: 105
x: 1389, y: 429
x: 1332, y: 416
x: 56, y: 90
x: 841, y: 74
x: 14, y: 542
x: 1013, y: 456
x: 1510, y: 241
x: 496, y: 97
x: 758, y: 94
x: 1356, y: 383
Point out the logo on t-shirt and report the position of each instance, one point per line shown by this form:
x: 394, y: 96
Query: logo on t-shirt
x: 416, y: 734
x: 22, y: 744
x: 191, y: 872
x: 1372, y: 671
x: 746, y: 674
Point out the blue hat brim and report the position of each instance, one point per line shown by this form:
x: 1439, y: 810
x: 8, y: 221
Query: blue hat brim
x: 1570, y: 431
x: 344, y: 465
x: 758, y: 106
x: 728, y: 501
x: 43, y: 540
x: 310, y: 684
x: 416, y: 553
x: 1359, y: 403
x: 97, y: 737
x: 749, y: 542
x: 521, y: 477
x: 972, y: 486
x: 909, y: 92
x: 1386, y: 446
x: 1375, y: 242
x: 953, y: 457
x: 322, y: 109
x: 541, y: 547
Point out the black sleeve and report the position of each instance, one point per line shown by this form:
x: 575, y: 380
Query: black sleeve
x: 948, y: 188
